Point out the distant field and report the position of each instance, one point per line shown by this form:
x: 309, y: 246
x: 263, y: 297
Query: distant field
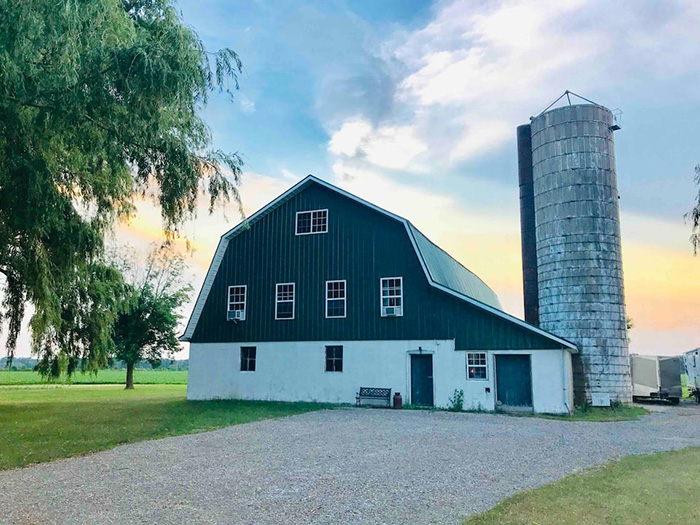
x: 103, y: 377
x: 44, y: 423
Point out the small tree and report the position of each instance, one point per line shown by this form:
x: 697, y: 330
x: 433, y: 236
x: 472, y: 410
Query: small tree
x: 630, y: 325
x: 153, y: 298
x: 694, y: 215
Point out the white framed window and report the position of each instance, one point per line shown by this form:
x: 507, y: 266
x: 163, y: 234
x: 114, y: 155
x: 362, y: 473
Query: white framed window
x: 477, y: 367
x: 336, y: 299
x: 310, y: 222
x: 237, y: 295
x: 284, y: 301
x: 391, y: 296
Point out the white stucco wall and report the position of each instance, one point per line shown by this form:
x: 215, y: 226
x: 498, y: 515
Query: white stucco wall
x: 295, y: 371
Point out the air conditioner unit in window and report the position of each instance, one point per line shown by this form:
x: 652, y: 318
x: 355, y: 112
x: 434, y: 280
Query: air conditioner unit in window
x: 392, y: 311
x: 236, y: 315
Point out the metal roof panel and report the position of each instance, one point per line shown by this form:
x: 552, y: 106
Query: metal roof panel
x: 447, y: 271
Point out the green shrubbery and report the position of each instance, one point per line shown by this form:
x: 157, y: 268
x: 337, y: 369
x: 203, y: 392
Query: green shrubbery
x: 457, y: 401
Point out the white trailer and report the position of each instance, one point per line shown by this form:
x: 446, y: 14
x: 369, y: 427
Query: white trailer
x: 691, y: 360
x: 656, y: 377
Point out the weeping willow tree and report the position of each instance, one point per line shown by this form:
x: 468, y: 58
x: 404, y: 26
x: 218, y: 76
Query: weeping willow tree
x: 99, y: 105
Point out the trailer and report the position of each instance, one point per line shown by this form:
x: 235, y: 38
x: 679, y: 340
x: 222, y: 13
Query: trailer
x: 656, y: 378
x: 691, y: 360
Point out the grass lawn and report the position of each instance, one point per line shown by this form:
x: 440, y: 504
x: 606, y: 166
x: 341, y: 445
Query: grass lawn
x: 601, y: 414
x: 44, y: 423
x: 591, y: 414
x: 653, y: 489
x: 143, y: 377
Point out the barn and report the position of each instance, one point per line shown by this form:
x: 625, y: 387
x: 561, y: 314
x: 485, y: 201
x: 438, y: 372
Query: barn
x: 321, y: 293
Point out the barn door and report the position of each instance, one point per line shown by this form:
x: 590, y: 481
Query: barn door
x: 514, y: 380
x: 422, y: 380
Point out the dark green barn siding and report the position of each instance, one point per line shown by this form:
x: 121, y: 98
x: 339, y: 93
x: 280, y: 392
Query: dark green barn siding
x: 361, y: 246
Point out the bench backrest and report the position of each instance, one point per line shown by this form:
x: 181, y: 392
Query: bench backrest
x: 374, y: 392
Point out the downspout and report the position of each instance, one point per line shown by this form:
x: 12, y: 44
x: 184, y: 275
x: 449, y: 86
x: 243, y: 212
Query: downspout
x: 565, y: 368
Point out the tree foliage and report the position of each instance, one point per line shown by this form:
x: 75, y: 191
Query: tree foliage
x: 99, y: 104
x: 694, y: 215
x: 153, y: 296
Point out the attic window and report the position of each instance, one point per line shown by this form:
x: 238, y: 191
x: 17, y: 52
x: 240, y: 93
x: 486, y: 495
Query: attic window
x: 310, y: 222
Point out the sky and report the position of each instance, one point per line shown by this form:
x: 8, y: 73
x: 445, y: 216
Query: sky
x: 413, y: 105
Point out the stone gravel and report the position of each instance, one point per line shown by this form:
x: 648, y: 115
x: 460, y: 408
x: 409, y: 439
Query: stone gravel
x: 332, y: 466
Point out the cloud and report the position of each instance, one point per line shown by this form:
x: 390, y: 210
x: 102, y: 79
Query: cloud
x: 247, y: 105
x: 467, y: 78
x: 349, y: 138
x: 391, y: 147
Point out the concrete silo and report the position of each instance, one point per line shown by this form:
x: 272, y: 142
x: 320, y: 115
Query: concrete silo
x: 571, y: 242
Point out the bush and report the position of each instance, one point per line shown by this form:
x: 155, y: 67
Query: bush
x: 457, y: 401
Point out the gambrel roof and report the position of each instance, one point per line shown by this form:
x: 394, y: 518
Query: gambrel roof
x: 447, y: 271
x: 441, y: 270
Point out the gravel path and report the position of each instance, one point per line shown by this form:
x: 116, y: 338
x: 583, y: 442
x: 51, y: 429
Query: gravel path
x: 339, y: 466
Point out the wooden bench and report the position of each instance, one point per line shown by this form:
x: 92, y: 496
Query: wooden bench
x: 374, y: 396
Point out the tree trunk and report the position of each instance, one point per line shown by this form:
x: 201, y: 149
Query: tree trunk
x: 130, y: 376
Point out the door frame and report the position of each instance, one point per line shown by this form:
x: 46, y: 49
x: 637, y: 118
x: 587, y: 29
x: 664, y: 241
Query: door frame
x: 409, y: 389
x: 495, y: 382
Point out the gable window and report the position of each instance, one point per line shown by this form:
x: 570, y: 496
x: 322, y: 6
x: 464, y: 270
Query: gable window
x: 284, y: 301
x: 248, y: 358
x: 476, y: 365
x: 315, y: 221
x: 236, y: 302
x: 335, y: 299
x: 391, y: 296
x: 334, y: 359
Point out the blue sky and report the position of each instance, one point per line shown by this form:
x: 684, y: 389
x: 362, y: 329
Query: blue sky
x: 413, y: 105
x: 312, y: 66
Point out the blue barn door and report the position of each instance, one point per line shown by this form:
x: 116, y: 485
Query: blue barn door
x: 422, y: 380
x: 514, y: 380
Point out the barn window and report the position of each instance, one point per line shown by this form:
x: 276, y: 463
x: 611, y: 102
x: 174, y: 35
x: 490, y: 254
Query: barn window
x: 391, y: 296
x: 248, y: 359
x: 476, y: 365
x: 334, y: 359
x: 335, y: 299
x: 236, y: 302
x: 284, y: 301
x: 315, y: 221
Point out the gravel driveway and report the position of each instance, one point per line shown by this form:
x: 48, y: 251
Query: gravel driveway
x: 337, y: 466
